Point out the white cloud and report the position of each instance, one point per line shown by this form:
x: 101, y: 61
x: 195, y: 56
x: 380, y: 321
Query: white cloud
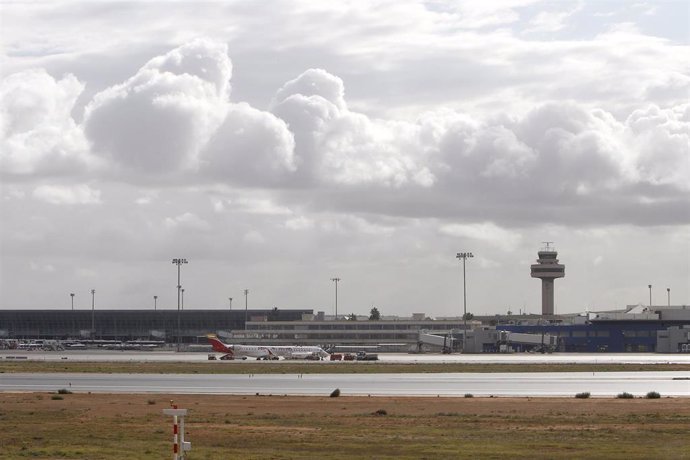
x: 436, y: 122
x: 487, y: 231
x: 67, y: 195
x: 158, y: 120
x: 551, y: 21
x: 37, y: 132
x: 335, y: 145
x: 250, y: 147
x: 41, y: 267
x: 299, y: 223
x: 187, y: 220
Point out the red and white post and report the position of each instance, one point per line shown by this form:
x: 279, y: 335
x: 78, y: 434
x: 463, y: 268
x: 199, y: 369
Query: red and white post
x: 180, y: 446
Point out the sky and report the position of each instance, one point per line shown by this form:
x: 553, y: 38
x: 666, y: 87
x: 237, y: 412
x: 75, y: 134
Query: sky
x: 277, y: 145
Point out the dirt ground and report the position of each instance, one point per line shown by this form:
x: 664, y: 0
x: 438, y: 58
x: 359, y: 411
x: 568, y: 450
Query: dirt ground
x: 102, y: 426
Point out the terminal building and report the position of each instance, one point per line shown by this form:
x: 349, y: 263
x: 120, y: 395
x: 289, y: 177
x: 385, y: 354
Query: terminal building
x: 634, y: 329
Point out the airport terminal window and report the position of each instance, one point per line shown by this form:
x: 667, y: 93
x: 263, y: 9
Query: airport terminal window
x: 603, y: 334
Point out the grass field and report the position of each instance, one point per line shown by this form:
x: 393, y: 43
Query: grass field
x: 101, y: 426
x: 293, y: 367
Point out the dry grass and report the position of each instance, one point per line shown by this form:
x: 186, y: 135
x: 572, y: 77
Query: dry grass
x: 100, y: 426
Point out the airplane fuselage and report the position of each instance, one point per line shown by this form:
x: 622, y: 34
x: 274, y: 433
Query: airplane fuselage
x: 266, y: 352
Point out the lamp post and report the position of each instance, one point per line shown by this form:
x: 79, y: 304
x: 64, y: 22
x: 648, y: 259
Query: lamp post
x: 93, y: 314
x: 668, y: 294
x: 179, y: 263
x: 182, y: 308
x: 650, y: 295
x: 246, y: 294
x: 72, y: 296
x: 336, y: 280
x: 230, y: 300
x: 464, y: 256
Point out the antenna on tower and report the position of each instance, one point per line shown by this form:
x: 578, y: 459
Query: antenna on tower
x: 547, y: 246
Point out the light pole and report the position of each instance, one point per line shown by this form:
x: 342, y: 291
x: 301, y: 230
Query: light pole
x: 230, y: 299
x: 336, y: 280
x: 182, y: 300
x: 650, y: 295
x: 179, y: 263
x: 668, y: 294
x: 72, y: 296
x: 93, y: 314
x: 246, y: 294
x: 464, y: 256
x: 155, y: 302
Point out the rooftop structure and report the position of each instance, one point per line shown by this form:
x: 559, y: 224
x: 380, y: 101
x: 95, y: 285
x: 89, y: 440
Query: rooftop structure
x: 547, y: 269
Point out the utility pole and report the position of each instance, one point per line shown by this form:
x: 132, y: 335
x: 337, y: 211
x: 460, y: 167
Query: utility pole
x: 668, y: 294
x: 155, y: 302
x: 72, y: 296
x: 336, y: 280
x: 464, y: 256
x: 179, y: 263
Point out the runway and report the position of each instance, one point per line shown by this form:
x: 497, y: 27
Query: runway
x: 171, y: 356
x: 676, y: 384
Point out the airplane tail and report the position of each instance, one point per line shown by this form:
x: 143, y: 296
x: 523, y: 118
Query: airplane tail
x: 218, y: 345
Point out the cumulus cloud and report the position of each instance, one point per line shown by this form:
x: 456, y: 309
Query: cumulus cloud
x: 336, y: 145
x: 68, y: 195
x: 562, y: 160
x: 37, y: 132
x: 250, y: 147
x: 159, y: 119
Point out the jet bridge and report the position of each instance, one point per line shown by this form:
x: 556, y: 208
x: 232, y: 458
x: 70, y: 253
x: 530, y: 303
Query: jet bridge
x: 510, y: 341
x: 444, y: 342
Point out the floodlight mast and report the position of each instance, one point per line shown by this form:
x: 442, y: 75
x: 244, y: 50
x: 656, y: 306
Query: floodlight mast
x: 464, y: 256
x: 179, y: 263
x: 246, y: 295
x: 336, y: 280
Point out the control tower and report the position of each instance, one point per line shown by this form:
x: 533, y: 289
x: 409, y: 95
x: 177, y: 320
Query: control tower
x: 547, y: 268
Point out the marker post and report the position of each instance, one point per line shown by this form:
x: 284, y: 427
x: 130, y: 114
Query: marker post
x: 180, y: 446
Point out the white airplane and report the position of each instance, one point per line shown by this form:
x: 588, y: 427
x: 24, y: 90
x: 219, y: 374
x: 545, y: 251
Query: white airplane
x: 265, y: 352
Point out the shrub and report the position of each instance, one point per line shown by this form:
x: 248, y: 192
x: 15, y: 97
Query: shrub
x: 64, y: 391
x: 469, y: 395
x: 381, y: 412
x: 653, y: 395
x: 151, y: 402
x: 583, y: 395
x: 335, y: 393
x: 624, y: 395
x: 56, y: 397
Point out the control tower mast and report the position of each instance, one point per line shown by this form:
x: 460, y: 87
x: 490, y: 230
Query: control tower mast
x: 547, y: 269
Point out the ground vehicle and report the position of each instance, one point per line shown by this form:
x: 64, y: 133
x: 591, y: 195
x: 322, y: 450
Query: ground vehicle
x: 364, y: 356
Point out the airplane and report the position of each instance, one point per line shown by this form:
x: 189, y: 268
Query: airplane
x: 265, y: 352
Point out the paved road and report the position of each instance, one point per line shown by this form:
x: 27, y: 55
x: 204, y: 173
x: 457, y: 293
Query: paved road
x: 479, y: 384
x: 170, y: 356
